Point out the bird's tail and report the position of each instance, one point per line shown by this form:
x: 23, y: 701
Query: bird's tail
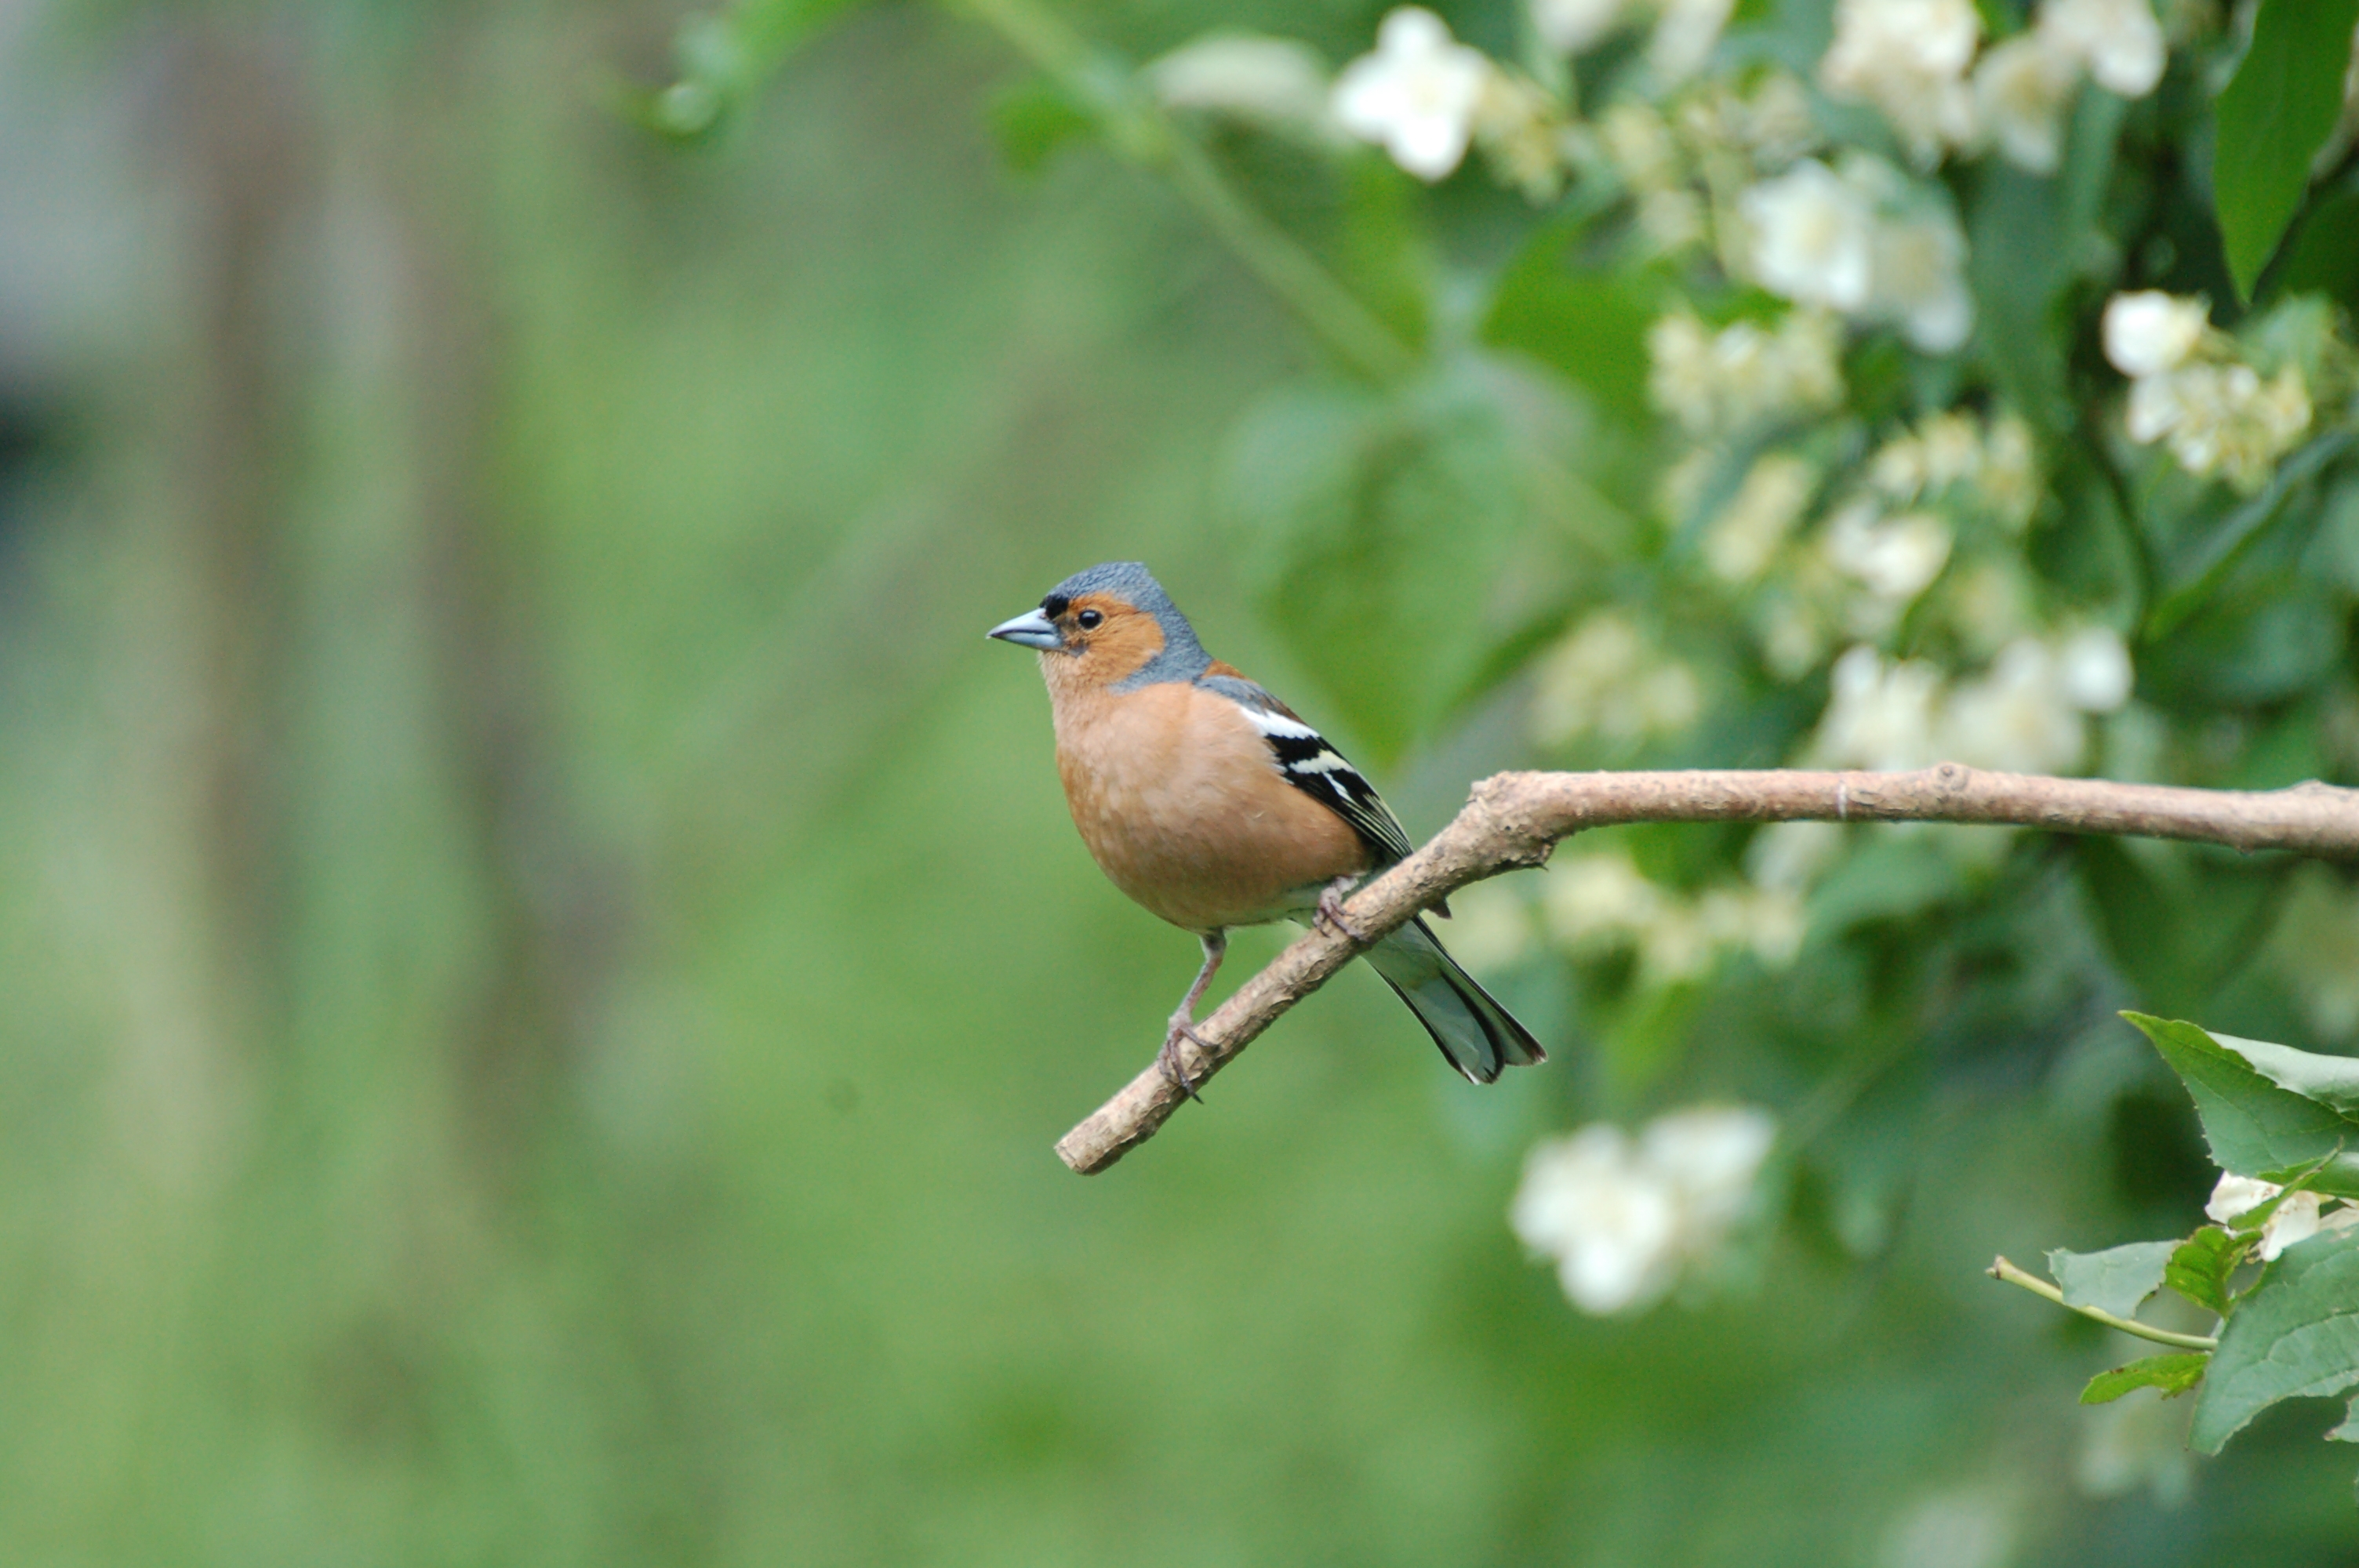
x: 1477, y: 1035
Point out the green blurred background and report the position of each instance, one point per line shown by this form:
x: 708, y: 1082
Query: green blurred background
x: 543, y: 956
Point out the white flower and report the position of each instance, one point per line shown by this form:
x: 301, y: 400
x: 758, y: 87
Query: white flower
x: 1710, y: 1155
x: 2149, y: 331
x: 1623, y: 1217
x: 1603, y: 679
x: 2233, y: 1195
x: 2014, y: 718
x: 2297, y: 1219
x: 1569, y: 27
x: 1610, y: 1223
x: 1814, y: 236
x: 1727, y: 380
x: 1493, y: 925
x: 1523, y: 132
x: 1954, y: 449
x: 1895, y: 557
x: 2093, y: 669
x: 2119, y: 40
x: 1907, y: 58
x: 2221, y: 419
x: 1880, y: 715
x: 1788, y: 855
x: 1267, y: 81
x: 1672, y: 218
x: 1595, y: 902
x: 1987, y: 605
x: 2010, y: 470
x: 1685, y: 33
x: 1920, y: 282
x: 1770, y: 921
x: 2021, y: 89
x: 1417, y: 94
x: 1640, y: 145
x: 1765, y: 509
x: 1822, y: 238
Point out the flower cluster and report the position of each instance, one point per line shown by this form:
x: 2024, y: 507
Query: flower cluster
x: 1911, y: 59
x: 2023, y: 714
x: 1719, y: 383
x: 1624, y: 1218
x: 1605, y: 680
x: 2190, y: 388
x: 1891, y: 532
x: 1425, y: 98
x: 1601, y: 903
x: 1863, y: 239
x: 2297, y: 1218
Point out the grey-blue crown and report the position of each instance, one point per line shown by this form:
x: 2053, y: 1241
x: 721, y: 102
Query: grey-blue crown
x: 1182, y: 658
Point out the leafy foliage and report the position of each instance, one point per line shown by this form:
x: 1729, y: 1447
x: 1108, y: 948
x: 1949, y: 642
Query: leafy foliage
x: 2294, y: 1329
x: 2294, y: 1332
x: 2274, y: 115
x: 2173, y: 1375
x: 2114, y: 1281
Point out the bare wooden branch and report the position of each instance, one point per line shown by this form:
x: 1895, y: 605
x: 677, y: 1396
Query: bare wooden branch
x: 1516, y: 819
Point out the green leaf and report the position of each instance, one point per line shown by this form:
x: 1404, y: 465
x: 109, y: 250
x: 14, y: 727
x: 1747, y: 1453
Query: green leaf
x: 2199, y: 1267
x: 2272, y: 119
x: 2140, y: 896
x: 2173, y: 1374
x: 2029, y: 237
x: 1034, y: 121
x: 2114, y: 1281
x: 2209, y: 562
x: 2348, y: 1432
x: 2331, y: 1081
x: 725, y: 57
x: 1373, y: 529
x: 2322, y: 255
x: 1588, y: 326
x: 2295, y: 1333
x: 2255, y: 1127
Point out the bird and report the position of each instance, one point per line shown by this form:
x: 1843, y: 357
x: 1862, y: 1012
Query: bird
x: 1213, y: 804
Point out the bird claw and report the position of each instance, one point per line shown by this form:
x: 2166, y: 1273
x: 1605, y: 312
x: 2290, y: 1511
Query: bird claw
x: 1330, y: 913
x: 1168, y: 1058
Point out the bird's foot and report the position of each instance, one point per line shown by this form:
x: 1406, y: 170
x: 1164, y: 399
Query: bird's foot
x: 1330, y: 913
x: 1168, y: 1058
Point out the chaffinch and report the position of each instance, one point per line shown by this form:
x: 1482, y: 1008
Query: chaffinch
x: 1207, y: 800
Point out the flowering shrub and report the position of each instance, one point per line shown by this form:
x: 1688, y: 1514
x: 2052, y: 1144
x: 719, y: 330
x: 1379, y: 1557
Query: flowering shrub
x: 1861, y: 385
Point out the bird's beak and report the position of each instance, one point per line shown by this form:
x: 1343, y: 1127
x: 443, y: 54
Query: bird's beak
x: 1032, y: 628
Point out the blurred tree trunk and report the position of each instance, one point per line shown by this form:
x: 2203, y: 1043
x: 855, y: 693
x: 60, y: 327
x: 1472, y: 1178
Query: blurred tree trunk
x: 556, y: 905
x: 248, y: 146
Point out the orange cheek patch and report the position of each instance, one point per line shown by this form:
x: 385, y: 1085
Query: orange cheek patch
x: 1123, y: 645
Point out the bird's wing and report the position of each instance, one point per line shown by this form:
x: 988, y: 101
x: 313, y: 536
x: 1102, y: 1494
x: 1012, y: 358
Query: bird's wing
x: 1314, y: 767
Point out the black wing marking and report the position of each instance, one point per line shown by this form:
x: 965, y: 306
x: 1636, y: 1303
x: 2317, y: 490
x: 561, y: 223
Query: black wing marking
x: 1317, y: 769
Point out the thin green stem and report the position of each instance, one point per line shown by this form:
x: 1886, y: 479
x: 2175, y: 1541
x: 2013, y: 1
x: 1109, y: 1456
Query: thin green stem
x: 2001, y: 1268
x: 1138, y: 130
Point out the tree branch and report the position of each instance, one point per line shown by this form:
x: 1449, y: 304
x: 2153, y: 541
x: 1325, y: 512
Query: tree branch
x: 1516, y: 819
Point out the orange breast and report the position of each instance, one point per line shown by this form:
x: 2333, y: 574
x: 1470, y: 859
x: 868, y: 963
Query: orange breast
x: 1181, y: 802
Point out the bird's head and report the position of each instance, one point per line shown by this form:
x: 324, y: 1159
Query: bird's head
x: 1111, y: 625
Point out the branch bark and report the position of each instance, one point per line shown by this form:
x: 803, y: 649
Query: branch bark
x: 1516, y: 819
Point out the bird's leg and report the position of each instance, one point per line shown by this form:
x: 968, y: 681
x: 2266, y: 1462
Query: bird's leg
x: 1183, y: 1022
x: 1330, y: 908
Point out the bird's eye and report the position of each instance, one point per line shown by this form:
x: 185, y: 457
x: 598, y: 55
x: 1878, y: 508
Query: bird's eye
x: 1088, y: 619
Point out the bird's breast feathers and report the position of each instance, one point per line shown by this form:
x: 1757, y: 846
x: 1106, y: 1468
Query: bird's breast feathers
x: 1182, y: 799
